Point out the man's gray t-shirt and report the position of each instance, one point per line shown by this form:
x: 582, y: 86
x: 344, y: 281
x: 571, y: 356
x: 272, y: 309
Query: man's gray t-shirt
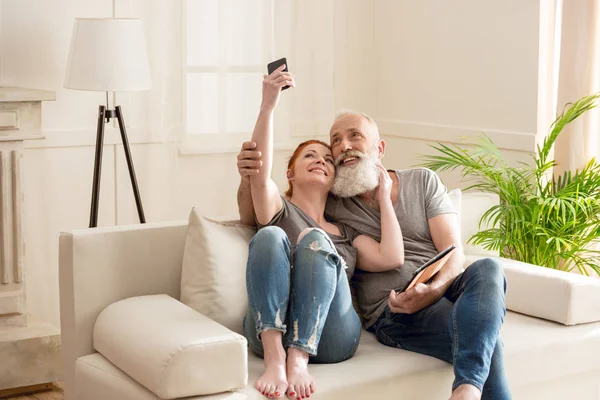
x: 421, y: 196
x: 293, y: 221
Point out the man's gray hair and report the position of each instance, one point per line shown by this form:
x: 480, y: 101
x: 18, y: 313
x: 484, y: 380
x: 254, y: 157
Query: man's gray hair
x: 342, y: 113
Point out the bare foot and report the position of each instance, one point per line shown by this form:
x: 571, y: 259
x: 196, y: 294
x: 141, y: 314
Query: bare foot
x: 301, y: 384
x: 466, y: 392
x: 273, y: 382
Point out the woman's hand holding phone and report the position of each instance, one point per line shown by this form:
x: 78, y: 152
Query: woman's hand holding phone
x: 272, y: 85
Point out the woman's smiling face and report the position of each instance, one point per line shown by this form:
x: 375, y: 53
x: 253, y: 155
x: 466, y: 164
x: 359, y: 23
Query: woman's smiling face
x: 314, y: 164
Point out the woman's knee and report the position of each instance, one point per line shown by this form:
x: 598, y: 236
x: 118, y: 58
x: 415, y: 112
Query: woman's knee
x: 315, y: 239
x: 315, y: 249
x: 269, y: 251
x: 269, y: 237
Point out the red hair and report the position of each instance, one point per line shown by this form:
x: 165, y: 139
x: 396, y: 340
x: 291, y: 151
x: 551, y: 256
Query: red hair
x: 294, y: 157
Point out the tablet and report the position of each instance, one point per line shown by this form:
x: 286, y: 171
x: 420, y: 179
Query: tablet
x: 426, y: 271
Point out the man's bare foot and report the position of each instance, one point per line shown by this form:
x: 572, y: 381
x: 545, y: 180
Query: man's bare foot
x: 300, y: 383
x: 466, y: 392
x: 273, y: 382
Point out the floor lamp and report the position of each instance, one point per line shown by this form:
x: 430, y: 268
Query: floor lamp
x: 109, y: 55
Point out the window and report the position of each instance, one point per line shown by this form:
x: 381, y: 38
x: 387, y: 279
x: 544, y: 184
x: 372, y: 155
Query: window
x: 226, y: 47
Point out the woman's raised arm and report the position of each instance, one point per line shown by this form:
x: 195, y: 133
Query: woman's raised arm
x: 265, y: 195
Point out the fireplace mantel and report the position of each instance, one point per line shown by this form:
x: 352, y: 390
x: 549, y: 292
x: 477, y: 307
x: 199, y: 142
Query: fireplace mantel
x: 29, y: 348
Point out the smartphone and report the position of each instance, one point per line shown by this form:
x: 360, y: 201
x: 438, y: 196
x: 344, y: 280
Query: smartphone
x: 276, y: 64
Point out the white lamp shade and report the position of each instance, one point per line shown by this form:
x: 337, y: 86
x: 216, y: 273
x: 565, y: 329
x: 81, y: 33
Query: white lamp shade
x: 108, y: 54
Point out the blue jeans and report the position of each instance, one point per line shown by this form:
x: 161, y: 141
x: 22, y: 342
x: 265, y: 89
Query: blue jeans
x: 303, y: 293
x: 462, y: 328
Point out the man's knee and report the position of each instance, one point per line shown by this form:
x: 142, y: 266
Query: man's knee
x: 489, y: 270
x: 268, y: 237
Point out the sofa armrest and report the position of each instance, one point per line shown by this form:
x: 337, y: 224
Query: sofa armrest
x: 100, y: 266
x: 170, y: 349
x: 550, y: 294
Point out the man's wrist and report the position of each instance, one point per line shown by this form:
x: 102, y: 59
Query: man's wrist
x: 438, y: 287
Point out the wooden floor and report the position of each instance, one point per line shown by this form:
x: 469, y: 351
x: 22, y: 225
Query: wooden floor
x: 55, y: 394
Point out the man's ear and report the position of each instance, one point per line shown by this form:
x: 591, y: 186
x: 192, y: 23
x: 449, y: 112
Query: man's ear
x: 381, y: 149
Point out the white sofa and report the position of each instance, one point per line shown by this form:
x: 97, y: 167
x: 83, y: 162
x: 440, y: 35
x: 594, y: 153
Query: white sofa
x: 544, y: 359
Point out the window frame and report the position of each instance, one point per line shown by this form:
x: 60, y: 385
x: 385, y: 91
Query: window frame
x: 221, y: 141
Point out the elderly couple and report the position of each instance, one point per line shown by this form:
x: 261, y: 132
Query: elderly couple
x: 345, y: 218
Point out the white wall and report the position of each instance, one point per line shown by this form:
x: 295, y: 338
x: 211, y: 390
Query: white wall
x: 452, y: 69
x: 426, y: 70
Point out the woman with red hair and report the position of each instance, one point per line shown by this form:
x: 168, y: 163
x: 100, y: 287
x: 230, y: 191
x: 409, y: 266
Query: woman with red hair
x: 300, y: 263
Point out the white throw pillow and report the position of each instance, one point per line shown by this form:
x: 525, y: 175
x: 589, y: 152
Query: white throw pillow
x: 474, y: 205
x: 213, y: 275
x: 170, y: 349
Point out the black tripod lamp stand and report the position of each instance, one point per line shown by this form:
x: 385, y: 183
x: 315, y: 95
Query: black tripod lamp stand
x: 109, y: 54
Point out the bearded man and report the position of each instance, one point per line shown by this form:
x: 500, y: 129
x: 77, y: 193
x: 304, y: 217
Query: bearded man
x: 457, y: 316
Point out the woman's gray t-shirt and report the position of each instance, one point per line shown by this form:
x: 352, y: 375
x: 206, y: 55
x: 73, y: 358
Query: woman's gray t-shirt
x: 293, y: 221
x: 421, y: 196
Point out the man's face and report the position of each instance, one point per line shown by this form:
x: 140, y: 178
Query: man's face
x: 352, y: 132
x: 356, y: 148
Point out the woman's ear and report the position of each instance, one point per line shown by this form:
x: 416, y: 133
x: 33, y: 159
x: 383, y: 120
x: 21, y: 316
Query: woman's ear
x: 289, y: 174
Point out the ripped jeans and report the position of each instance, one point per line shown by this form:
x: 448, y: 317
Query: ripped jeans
x: 302, y: 292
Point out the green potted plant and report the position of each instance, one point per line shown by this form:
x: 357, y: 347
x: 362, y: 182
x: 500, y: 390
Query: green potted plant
x: 541, y: 219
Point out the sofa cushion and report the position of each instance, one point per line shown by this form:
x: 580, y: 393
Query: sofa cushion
x: 535, y: 351
x: 550, y: 294
x: 170, y: 349
x: 213, y: 275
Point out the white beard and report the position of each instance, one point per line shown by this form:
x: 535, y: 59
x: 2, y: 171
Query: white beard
x: 358, y: 178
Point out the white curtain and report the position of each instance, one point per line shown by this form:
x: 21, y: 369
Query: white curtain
x: 579, y: 75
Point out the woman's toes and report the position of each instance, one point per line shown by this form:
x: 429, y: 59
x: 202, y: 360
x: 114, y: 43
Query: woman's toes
x: 292, y: 392
x: 307, y: 390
